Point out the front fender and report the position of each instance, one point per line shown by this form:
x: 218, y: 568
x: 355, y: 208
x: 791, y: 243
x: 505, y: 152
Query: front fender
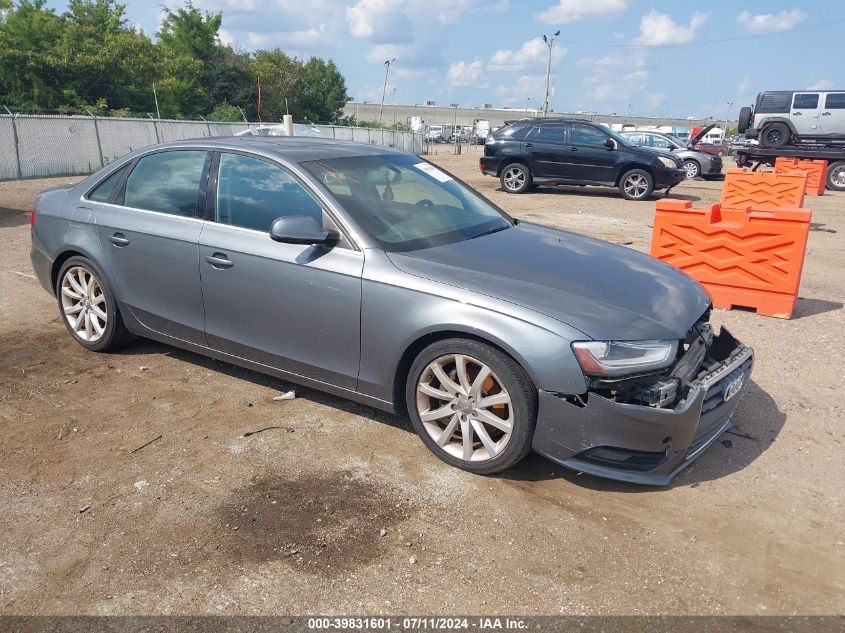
x: 399, y: 309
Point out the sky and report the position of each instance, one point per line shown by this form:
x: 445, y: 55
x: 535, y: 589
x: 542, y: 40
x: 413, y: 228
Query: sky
x: 658, y: 57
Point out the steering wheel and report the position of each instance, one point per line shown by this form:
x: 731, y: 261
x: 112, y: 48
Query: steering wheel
x: 425, y: 202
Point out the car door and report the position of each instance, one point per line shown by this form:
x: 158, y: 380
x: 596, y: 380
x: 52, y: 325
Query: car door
x: 149, y: 228
x: 805, y: 113
x: 546, y: 148
x: 588, y: 158
x: 288, y: 306
x: 832, y: 119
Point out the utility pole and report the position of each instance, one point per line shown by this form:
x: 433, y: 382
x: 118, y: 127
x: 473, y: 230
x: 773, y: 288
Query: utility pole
x: 527, y: 101
x: 630, y: 107
x: 550, y: 42
x: 394, y: 108
x: 155, y: 96
x: 384, y: 90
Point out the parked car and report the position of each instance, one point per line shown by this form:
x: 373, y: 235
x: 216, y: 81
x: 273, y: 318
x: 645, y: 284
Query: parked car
x: 696, y: 164
x: 376, y: 276
x: 787, y: 117
x: 572, y: 151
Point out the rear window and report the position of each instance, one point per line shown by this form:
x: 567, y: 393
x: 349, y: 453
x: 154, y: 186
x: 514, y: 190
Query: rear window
x: 770, y: 102
x: 514, y: 130
x: 806, y: 102
x: 835, y: 101
x: 103, y: 191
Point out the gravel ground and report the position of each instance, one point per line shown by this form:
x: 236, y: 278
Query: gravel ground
x: 342, y: 510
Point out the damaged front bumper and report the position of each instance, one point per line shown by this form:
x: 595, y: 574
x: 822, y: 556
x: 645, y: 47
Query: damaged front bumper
x: 595, y: 434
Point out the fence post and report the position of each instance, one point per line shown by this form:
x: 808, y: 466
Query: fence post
x: 155, y: 127
x: 207, y: 124
x: 15, y: 136
x: 97, y: 134
x: 334, y: 132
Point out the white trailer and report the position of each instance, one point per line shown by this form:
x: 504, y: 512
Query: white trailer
x: 481, y: 130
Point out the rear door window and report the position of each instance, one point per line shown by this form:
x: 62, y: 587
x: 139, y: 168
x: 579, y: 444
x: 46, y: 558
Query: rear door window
x: 807, y: 101
x: 553, y: 133
x: 658, y: 141
x: 166, y: 182
x: 835, y: 101
x: 103, y: 191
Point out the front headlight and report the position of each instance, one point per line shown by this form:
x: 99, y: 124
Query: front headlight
x: 619, y: 358
x: 668, y: 163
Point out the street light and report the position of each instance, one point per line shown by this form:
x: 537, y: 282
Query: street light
x: 550, y: 42
x: 728, y: 104
x: 394, y: 108
x: 527, y: 102
x: 630, y: 107
x: 384, y: 90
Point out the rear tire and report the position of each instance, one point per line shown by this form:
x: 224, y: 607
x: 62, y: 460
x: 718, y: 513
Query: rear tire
x: 87, y: 306
x: 446, y: 395
x: 775, y: 135
x: 515, y: 178
x: 636, y: 184
x: 836, y: 176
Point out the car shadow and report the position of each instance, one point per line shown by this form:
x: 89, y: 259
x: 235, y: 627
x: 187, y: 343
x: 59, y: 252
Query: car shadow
x: 758, y: 421
x: 601, y: 192
x: 13, y: 217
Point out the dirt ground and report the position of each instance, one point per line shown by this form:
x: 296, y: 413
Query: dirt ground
x: 342, y: 509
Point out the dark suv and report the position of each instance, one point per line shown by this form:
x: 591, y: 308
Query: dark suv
x: 571, y: 151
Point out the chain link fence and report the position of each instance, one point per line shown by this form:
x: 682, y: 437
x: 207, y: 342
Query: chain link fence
x: 35, y: 146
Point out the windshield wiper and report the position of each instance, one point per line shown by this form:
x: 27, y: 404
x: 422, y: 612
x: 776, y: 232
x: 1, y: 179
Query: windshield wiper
x: 494, y: 230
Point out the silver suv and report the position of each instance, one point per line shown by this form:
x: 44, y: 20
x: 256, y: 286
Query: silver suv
x: 781, y: 118
x: 696, y: 164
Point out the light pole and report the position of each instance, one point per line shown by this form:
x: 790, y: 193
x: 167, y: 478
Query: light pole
x: 527, y: 102
x: 630, y: 107
x: 728, y: 104
x: 394, y: 108
x: 384, y: 90
x: 550, y: 42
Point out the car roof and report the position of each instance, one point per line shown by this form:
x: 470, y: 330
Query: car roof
x: 551, y: 119
x: 292, y: 148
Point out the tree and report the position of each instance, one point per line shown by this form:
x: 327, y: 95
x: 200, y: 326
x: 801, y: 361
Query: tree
x: 225, y: 112
x: 279, y: 75
x: 323, y: 91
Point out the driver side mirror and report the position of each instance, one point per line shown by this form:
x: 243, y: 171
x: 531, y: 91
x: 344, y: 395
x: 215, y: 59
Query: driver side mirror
x: 610, y: 143
x: 300, y: 229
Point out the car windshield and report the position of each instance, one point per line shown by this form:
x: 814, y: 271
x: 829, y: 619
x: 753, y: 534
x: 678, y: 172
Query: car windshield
x: 676, y: 140
x: 405, y: 203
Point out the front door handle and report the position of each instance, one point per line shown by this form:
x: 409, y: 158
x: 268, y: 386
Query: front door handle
x: 797, y: 114
x: 573, y: 149
x: 119, y: 240
x: 529, y: 145
x: 825, y: 113
x: 219, y: 260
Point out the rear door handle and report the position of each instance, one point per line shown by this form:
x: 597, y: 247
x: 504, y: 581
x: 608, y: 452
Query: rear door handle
x: 119, y: 240
x: 797, y: 114
x: 825, y: 113
x: 219, y: 260
x: 573, y: 149
x: 529, y: 145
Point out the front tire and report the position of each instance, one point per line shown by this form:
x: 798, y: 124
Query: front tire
x: 693, y: 168
x: 636, y: 184
x: 515, y: 178
x: 88, y: 308
x: 836, y: 176
x: 473, y: 406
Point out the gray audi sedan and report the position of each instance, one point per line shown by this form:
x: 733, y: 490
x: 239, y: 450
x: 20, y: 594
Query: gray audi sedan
x: 376, y: 276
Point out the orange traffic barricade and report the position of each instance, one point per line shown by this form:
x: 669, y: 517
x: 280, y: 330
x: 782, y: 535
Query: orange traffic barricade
x: 762, y: 191
x: 745, y: 257
x: 815, y: 170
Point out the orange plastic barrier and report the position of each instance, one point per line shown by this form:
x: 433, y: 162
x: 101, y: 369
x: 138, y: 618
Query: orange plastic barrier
x: 816, y: 171
x: 745, y: 258
x: 762, y: 191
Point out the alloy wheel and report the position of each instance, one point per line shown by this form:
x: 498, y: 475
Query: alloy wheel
x: 838, y: 177
x: 465, y: 408
x: 514, y: 178
x: 774, y: 137
x: 636, y: 185
x: 692, y: 169
x: 84, y: 304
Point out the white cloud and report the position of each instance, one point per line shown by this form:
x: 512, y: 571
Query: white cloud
x: 303, y: 38
x: 620, y: 79
x: 527, y: 86
x: 659, y: 29
x: 771, y: 22
x: 822, y: 84
x: 380, y: 21
x: 226, y: 38
x: 461, y: 74
x: 444, y: 11
x: 532, y: 52
x: 572, y: 10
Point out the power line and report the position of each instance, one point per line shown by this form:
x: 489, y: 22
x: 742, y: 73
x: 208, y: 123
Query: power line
x: 717, y: 41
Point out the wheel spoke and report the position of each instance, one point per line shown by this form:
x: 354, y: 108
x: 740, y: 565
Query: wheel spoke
x: 444, y: 411
x: 99, y: 328
x: 485, y: 438
x: 75, y: 308
x: 447, y: 383
x: 444, y: 437
x: 70, y: 292
x: 495, y: 399
x: 466, y: 432
x: 478, y: 383
x: 98, y: 299
x: 461, y: 370
x: 428, y: 390
x: 99, y: 312
x: 76, y: 285
x: 492, y: 420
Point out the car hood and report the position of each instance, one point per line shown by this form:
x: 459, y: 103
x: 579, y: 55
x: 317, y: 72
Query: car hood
x: 606, y: 291
x: 695, y: 140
